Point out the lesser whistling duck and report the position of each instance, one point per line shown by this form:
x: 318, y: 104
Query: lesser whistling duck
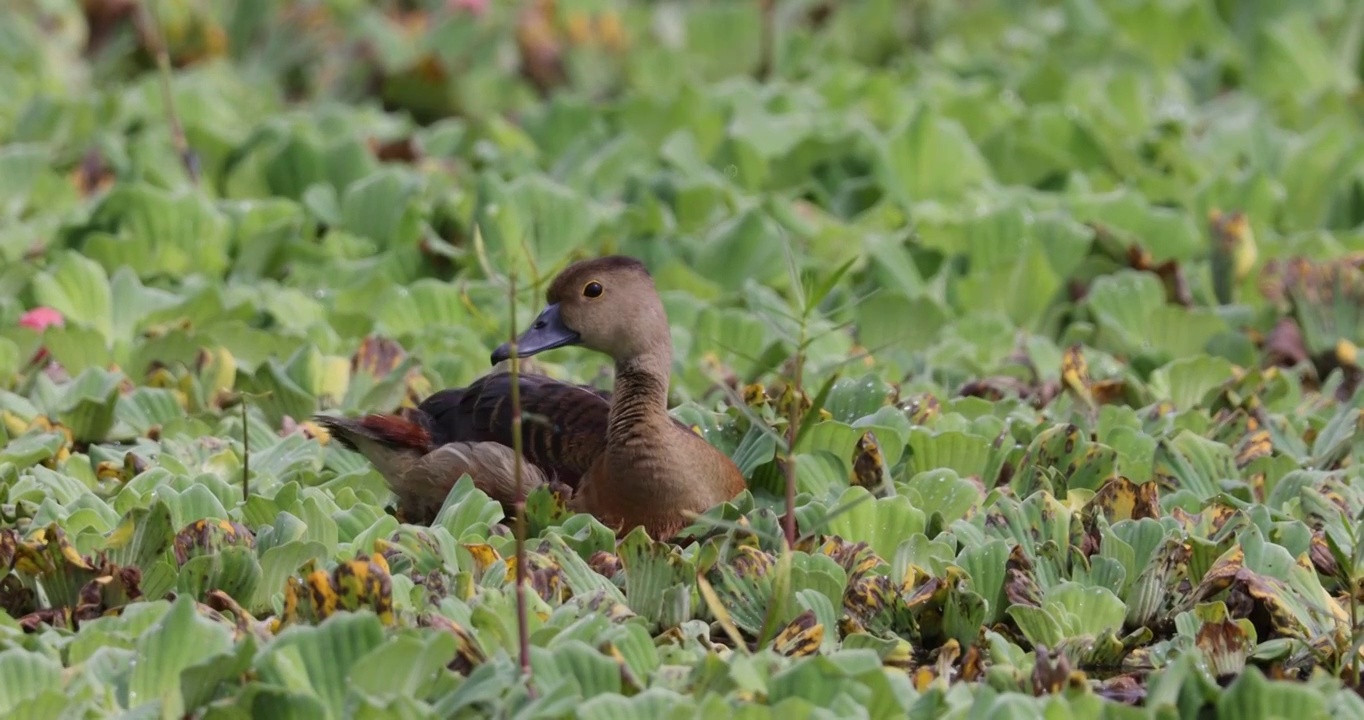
x: 622, y: 456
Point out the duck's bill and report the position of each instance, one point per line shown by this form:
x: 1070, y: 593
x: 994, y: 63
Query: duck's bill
x: 546, y: 333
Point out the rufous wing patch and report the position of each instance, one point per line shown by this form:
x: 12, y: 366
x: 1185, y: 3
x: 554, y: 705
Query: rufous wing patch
x: 397, y: 431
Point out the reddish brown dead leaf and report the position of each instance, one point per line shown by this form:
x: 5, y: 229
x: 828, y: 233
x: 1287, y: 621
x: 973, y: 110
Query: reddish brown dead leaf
x: 102, y: 20
x: 1020, y: 585
x: 397, y: 150
x: 1284, y: 345
x: 93, y: 176
x: 377, y: 357
x: 1049, y: 677
x: 868, y: 464
x: 1224, y: 645
x: 1170, y: 274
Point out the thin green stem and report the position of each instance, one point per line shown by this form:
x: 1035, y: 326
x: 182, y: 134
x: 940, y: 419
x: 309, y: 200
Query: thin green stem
x: 152, y: 23
x: 522, y: 622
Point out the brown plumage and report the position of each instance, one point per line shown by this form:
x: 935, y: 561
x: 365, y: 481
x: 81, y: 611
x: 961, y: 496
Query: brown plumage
x: 620, y: 454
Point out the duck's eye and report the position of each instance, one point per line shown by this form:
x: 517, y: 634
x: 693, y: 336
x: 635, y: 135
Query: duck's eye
x: 592, y: 289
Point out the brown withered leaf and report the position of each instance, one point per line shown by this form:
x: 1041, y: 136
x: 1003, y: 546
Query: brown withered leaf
x: 484, y: 555
x: 469, y: 654
x: 1268, y: 601
x: 417, y: 388
x: 1075, y: 370
x: 103, y: 19
x: 604, y: 604
x: 93, y: 176
x: 1020, y: 584
x: 944, y: 664
x: 922, y: 409
x: 1049, y: 677
x: 49, y: 552
x: 857, y: 559
x: 973, y: 664
x: 15, y: 599
x: 1254, y: 446
x: 605, y: 564
x: 931, y: 592
x: 52, y: 617
x: 545, y: 576
x: 1170, y: 274
x: 9, y: 546
x: 1004, y: 386
x: 868, y: 465
x: 1346, y: 358
x: 244, y: 622
x: 801, y: 637
x: 750, y: 561
x: 209, y: 536
x: 377, y: 357
x: 1298, y: 279
x: 364, y: 582
x: 1224, y: 645
x: 115, y: 588
x: 790, y: 398
x: 1284, y: 346
x: 1233, y: 252
x: 1321, y: 556
x: 1121, y: 499
x: 1208, y: 522
x: 755, y: 395
x: 396, y: 150
x: 1109, y: 391
x: 1075, y: 379
x: 867, y: 597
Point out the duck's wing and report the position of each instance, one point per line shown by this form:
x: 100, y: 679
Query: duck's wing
x: 563, y: 425
x: 421, y: 474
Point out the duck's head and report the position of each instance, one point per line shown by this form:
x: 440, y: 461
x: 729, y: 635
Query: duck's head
x: 607, y: 304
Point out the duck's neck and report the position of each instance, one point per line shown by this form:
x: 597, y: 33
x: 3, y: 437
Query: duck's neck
x: 640, y: 397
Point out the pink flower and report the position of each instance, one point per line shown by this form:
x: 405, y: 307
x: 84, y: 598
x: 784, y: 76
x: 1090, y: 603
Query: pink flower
x: 40, y: 318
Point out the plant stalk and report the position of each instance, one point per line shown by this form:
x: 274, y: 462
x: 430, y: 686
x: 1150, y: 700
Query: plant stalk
x: 788, y: 521
x: 177, y: 131
x: 246, y: 455
x: 522, y: 623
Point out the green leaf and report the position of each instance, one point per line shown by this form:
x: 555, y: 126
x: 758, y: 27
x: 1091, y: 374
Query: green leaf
x: 404, y: 666
x: 1185, y: 381
x: 77, y: 287
x: 929, y: 158
x: 1251, y: 695
x: 377, y: 207
x: 880, y: 522
x: 652, y: 570
x: 182, y: 638
x: 318, y: 661
x: 25, y: 675
x: 467, y: 511
x: 156, y: 232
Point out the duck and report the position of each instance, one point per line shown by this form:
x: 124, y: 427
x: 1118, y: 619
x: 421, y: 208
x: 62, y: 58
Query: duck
x: 618, y: 455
